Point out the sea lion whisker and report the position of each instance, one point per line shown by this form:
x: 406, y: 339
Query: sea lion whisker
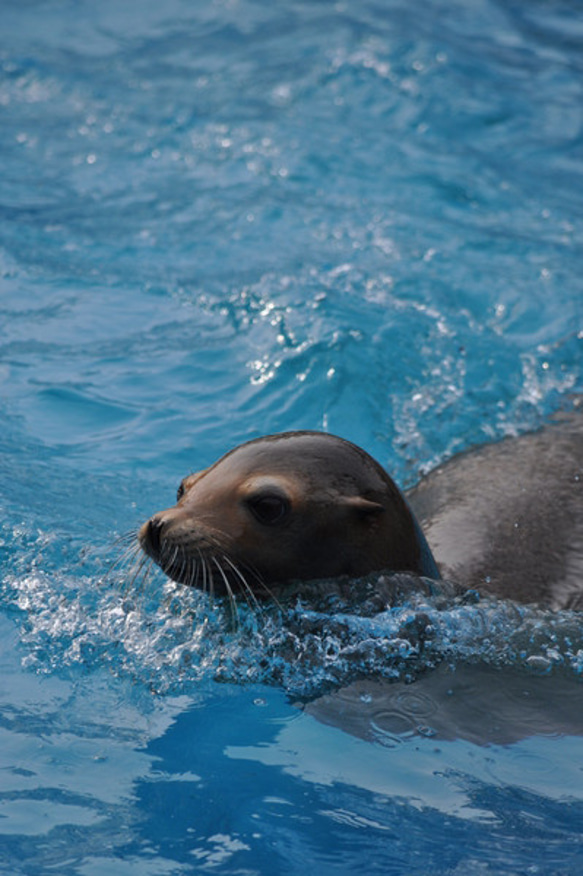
x: 189, y: 566
x: 263, y: 586
x: 271, y: 595
x: 132, y: 554
x: 134, y: 572
x: 148, y: 571
x: 205, y: 577
x: 199, y: 566
x: 209, y: 578
x: 125, y: 537
x: 232, y: 602
x: 129, y: 555
x: 174, y: 558
x: 246, y: 588
x: 131, y: 546
x: 132, y: 549
x: 182, y: 560
x: 129, y: 574
x: 191, y: 569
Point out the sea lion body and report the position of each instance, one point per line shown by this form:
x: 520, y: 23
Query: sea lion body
x: 507, y: 518
x: 504, y: 519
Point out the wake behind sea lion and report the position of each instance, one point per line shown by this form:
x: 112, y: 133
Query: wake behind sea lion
x: 505, y: 519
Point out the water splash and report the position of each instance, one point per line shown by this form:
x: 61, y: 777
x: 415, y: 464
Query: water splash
x: 167, y: 637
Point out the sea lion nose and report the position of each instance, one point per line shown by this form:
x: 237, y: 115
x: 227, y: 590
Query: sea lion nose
x: 150, y: 536
x: 155, y: 525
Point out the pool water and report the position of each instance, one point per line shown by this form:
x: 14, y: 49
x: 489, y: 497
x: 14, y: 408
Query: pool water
x: 224, y: 219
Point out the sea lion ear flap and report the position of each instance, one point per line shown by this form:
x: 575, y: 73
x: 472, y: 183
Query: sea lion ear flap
x: 363, y: 507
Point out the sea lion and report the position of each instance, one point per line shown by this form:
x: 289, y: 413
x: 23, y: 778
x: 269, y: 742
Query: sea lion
x: 300, y: 506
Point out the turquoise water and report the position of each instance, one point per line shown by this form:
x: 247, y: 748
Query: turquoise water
x: 219, y: 220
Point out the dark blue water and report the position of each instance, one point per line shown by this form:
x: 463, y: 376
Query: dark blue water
x: 219, y: 220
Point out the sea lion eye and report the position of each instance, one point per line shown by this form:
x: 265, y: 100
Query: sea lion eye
x: 269, y: 508
x: 180, y: 492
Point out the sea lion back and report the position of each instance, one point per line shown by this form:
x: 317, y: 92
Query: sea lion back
x: 507, y: 518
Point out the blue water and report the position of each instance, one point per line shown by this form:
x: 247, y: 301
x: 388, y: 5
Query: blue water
x: 219, y: 220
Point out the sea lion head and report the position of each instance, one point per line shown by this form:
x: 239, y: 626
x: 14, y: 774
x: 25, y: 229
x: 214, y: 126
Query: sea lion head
x: 293, y: 506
